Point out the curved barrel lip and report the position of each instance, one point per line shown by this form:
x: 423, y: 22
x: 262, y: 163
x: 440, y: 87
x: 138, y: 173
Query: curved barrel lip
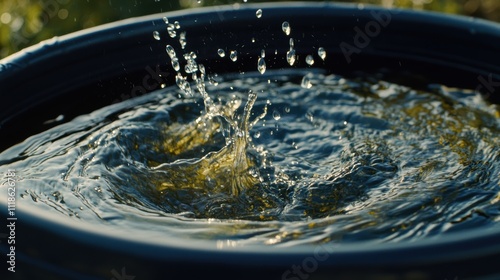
x: 80, y: 40
x: 445, y: 248
x: 100, y: 49
x: 450, y: 246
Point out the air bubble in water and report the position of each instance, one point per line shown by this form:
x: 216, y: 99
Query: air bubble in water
x: 221, y: 52
x: 259, y: 13
x: 322, y: 53
x: 233, y: 55
x: 291, y: 57
x: 261, y: 65
x: 286, y: 28
x: 276, y: 115
x: 156, y: 35
x: 309, y: 60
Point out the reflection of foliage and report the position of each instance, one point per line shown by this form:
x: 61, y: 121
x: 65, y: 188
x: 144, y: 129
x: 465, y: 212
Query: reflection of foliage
x: 25, y: 22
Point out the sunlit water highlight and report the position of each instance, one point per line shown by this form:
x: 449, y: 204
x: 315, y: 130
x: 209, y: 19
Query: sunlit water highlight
x: 334, y: 160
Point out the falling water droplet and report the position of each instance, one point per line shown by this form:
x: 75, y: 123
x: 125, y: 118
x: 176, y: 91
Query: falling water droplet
x: 171, y: 30
x: 286, y: 28
x: 309, y: 60
x: 306, y: 82
x: 291, y: 57
x: 156, y: 35
x: 263, y: 53
x: 256, y: 135
x: 261, y: 65
x: 276, y: 115
x: 221, y: 52
x: 175, y: 64
x: 259, y: 13
x: 322, y: 53
x: 165, y: 19
x: 170, y: 50
x: 177, y: 25
x: 292, y: 43
x: 233, y: 55
x: 182, y: 39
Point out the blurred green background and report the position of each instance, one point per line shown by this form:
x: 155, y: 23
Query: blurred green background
x: 27, y: 22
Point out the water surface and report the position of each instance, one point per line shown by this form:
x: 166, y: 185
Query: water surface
x: 333, y: 160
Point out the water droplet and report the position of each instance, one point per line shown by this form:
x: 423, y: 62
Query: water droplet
x: 257, y: 134
x: 292, y: 43
x: 212, y: 80
x: 165, y: 19
x: 170, y: 51
x: 175, y: 64
x: 291, y: 57
x: 221, y: 52
x: 261, y: 65
x: 276, y: 115
x: 263, y: 53
x: 156, y: 35
x: 233, y: 55
x: 182, y: 39
x: 309, y: 60
x: 286, y: 28
x: 306, y: 82
x: 322, y: 53
x: 259, y: 13
x: 253, y: 40
x: 177, y: 25
x: 287, y: 109
x: 171, y: 30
